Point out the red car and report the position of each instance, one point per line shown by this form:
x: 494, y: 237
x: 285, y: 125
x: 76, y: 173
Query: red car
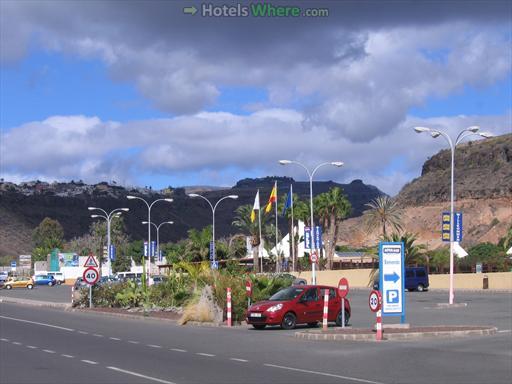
x: 298, y: 304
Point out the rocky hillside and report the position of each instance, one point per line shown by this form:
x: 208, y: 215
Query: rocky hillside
x: 483, y: 170
x: 483, y: 192
x: 22, y: 207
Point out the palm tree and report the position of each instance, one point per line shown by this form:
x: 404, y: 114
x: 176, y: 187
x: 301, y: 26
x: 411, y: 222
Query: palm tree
x: 412, y: 253
x: 384, y: 212
x: 332, y: 207
x: 197, y: 246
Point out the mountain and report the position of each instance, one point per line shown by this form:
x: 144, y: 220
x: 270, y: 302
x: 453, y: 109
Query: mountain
x: 483, y: 193
x: 24, y: 206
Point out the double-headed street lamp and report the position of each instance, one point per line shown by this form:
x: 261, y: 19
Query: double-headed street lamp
x: 473, y: 130
x: 213, y: 207
x: 108, y: 217
x: 157, y: 233
x: 130, y: 197
x: 311, y: 174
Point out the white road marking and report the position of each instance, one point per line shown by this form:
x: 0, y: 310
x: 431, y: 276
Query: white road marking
x: 114, y: 338
x: 68, y: 356
x: 16, y: 343
x: 324, y: 374
x: 205, y: 354
x: 95, y: 334
x: 178, y: 350
x: 31, y: 346
x: 505, y: 331
x: 89, y: 362
x: 154, y: 346
x: 140, y: 375
x: 241, y: 360
x: 2, y: 339
x: 133, y: 342
x: 83, y: 333
x: 48, y: 351
x: 37, y: 323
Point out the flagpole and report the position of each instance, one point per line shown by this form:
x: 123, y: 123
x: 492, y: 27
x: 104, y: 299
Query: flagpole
x: 293, y: 231
x: 277, y: 251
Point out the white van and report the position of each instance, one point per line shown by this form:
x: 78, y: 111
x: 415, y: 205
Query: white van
x: 129, y: 275
x: 59, y: 277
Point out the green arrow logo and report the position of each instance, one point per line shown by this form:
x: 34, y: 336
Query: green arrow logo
x: 190, y: 10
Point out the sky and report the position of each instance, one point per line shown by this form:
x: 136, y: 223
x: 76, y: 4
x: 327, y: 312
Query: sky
x: 144, y: 94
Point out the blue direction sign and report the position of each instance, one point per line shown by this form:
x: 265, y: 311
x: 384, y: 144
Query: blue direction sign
x: 212, y: 250
x: 457, y: 227
x: 445, y: 226
x: 317, y: 236
x: 112, y: 252
x: 153, y: 248
x: 214, y: 264
x: 307, y: 237
x: 392, y: 279
x: 146, y: 249
x: 13, y: 265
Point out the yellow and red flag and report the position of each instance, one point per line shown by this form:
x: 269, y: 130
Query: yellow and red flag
x: 272, y: 198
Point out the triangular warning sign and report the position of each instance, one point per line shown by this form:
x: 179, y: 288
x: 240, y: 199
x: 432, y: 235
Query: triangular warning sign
x: 91, y: 262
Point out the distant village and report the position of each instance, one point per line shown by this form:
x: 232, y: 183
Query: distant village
x: 76, y: 188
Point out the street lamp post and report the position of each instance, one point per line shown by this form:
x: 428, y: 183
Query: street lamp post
x: 108, y: 217
x: 157, y: 234
x: 473, y: 130
x: 130, y: 197
x: 213, y: 207
x: 311, y: 174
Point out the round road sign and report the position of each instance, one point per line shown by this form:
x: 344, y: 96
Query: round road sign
x: 343, y: 287
x: 91, y: 275
x: 375, y: 301
x: 248, y: 288
x: 313, y: 257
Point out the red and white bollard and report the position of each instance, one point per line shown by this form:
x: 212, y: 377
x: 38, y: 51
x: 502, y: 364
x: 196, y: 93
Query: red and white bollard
x: 326, y: 310
x: 378, y: 326
x: 229, y: 307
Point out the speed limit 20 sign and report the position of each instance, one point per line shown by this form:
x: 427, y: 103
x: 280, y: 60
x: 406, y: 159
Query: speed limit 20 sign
x: 91, y: 276
x: 375, y: 301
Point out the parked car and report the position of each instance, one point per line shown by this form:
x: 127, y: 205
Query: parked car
x: 158, y: 279
x: 19, y: 282
x: 416, y: 279
x: 59, y: 277
x: 4, y: 275
x: 298, y: 304
x: 44, y: 280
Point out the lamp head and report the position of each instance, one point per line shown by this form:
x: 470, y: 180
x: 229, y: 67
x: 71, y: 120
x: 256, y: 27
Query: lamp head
x: 233, y: 196
x: 338, y: 163
x: 435, y: 134
x: 473, y: 128
x: 95, y: 216
x: 91, y: 208
x: 130, y: 197
x: 284, y: 162
x: 193, y: 195
x: 169, y: 200
x: 486, y: 134
x: 170, y: 222
x: 145, y: 222
x: 125, y: 209
x: 421, y: 129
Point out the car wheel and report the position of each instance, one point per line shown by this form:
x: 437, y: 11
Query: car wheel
x: 289, y: 321
x: 339, y: 318
x: 30, y: 286
x: 313, y: 324
x: 8, y: 287
x: 59, y: 282
x: 259, y: 326
x: 420, y: 288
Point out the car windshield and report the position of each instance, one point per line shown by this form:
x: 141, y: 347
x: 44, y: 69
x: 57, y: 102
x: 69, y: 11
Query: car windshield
x: 287, y: 294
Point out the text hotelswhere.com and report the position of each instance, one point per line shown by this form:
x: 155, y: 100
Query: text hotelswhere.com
x: 255, y: 10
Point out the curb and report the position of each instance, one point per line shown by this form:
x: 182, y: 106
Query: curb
x: 370, y: 336
x: 122, y: 315
x: 35, y: 303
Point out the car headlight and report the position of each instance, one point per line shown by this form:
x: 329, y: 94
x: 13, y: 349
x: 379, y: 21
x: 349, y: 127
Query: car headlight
x: 275, y: 308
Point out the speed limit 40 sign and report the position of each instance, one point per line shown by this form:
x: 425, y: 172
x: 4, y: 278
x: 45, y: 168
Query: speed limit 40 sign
x: 91, y: 276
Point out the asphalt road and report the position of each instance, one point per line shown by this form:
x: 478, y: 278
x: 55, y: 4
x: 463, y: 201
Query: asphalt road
x: 40, y: 345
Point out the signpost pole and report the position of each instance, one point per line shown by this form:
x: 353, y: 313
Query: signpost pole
x: 378, y: 326
x: 90, y: 296
x: 342, y: 312
x: 228, y: 315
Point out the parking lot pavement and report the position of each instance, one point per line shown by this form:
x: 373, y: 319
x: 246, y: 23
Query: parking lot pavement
x: 56, y: 294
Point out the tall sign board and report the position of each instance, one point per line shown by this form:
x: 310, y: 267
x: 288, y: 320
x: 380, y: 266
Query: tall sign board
x: 392, y: 275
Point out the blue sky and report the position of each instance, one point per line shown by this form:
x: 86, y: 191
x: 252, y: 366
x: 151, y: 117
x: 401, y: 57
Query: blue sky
x: 140, y: 107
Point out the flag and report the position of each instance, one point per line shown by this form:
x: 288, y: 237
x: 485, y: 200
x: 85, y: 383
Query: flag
x: 272, y: 198
x: 288, y: 201
x: 256, y: 206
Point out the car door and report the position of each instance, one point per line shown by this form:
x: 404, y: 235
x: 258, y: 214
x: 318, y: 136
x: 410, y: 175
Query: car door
x: 311, y: 306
